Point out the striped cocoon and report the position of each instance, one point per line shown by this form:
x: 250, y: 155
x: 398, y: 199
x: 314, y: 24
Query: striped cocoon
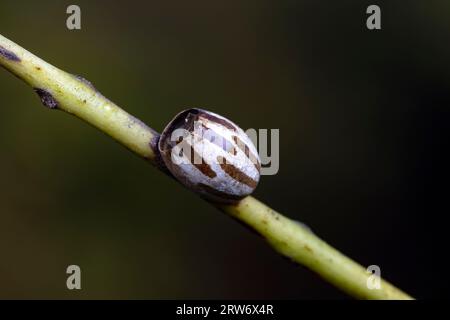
x: 210, y: 155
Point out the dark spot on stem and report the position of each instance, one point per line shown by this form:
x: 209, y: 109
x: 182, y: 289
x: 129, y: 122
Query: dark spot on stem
x: 307, y: 248
x: 46, y: 98
x: 9, y: 55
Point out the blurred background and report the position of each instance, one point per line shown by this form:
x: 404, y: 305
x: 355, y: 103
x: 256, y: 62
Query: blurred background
x: 363, y: 118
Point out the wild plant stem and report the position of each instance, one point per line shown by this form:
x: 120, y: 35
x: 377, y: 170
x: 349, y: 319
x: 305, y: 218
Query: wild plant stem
x: 63, y: 91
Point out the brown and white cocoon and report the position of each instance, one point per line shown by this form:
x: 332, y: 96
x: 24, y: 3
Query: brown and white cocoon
x: 210, y: 155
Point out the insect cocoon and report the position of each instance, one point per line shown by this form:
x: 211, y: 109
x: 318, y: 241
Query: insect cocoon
x: 210, y: 155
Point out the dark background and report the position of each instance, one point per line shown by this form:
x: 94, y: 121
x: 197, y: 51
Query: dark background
x: 363, y: 119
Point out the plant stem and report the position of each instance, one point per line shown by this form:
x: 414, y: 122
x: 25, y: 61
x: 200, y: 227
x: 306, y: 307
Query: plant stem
x: 298, y: 243
x: 77, y: 96
x: 61, y: 90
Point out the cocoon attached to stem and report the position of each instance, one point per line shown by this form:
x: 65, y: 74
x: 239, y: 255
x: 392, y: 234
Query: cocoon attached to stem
x: 236, y: 174
x: 210, y: 155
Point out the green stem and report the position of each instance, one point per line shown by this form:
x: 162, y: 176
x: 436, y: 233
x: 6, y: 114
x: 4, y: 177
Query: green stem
x: 77, y: 96
x: 63, y: 91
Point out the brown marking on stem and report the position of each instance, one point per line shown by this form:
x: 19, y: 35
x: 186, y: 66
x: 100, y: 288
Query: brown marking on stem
x: 9, y: 55
x: 38, y: 68
x: 307, y: 248
x: 47, y: 98
x: 236, y: 174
